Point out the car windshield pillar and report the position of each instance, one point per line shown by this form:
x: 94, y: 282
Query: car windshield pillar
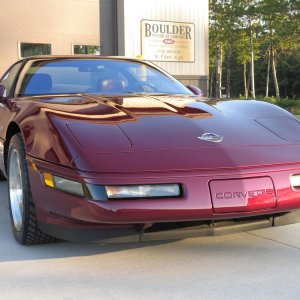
x: 2, y: 92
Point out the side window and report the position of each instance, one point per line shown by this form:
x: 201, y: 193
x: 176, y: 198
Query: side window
x: 9, y: 78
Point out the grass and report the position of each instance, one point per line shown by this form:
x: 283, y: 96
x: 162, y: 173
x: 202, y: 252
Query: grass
x: 291, y: 105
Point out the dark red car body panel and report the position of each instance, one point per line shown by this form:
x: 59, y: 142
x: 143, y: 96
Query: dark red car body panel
x: 150, y: 140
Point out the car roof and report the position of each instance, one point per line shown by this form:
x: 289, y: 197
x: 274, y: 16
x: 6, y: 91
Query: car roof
x: 79, y: 56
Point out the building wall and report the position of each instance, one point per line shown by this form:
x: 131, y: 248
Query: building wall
x: 61, y: 23
x: 64, y: 23
x: 131, y: 12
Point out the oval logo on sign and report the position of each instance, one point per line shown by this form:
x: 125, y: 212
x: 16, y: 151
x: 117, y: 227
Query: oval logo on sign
x: 211, y: 137
x: 168, y: 41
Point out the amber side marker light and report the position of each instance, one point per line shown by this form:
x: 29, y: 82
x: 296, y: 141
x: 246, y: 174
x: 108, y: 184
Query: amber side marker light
x: 48, y: 179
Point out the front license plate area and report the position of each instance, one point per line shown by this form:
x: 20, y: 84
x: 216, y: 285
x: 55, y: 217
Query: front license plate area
x: 242, y: 195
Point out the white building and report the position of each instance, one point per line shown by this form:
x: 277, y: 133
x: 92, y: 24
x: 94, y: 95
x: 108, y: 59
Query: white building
x: 172, y: 33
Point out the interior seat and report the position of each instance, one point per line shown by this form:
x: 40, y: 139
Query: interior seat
x: 38, y: 84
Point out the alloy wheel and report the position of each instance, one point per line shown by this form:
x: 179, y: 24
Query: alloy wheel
x: 16, y: 189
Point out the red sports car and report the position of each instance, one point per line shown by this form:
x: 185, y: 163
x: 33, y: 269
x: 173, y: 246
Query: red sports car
x: 112, y: 149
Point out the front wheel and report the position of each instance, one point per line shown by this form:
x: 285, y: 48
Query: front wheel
x: 22, y: 210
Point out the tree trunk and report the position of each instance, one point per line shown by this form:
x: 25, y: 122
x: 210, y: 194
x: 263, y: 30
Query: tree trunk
x: 268, y: 74
x: 211, y: 84
x: 228, y: 74
x: 245, y: 80
x: 274, y: 68
x: 252, y: 63
x: 248, y: 80
x: 218, y: 68
x: 221, y: 69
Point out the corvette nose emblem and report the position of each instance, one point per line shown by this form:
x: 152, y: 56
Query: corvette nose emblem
x: 211, y: 137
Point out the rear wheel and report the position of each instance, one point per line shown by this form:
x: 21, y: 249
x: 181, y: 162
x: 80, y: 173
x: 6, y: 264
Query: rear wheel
x: 22, y: 210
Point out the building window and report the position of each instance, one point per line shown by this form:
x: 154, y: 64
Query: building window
x: 87, y: 49
x: 30, y: 49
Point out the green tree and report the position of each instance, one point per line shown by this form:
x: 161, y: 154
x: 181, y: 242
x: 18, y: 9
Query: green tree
x: 248, y: 19
x: 217, y: 17
x: 279, y: 31
x: 255, y: 38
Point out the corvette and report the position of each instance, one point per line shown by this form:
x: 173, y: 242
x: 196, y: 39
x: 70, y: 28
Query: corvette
x: 109, y: 149
x: 245, y: 194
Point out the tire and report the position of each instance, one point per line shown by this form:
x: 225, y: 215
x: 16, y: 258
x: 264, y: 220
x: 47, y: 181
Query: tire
x: 2, y: 178
x: 21, y: 206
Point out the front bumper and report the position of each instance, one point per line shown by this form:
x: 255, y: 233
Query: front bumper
x: 72, y: 217
x: 165, y: 231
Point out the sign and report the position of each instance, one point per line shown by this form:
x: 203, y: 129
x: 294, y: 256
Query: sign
x: 168, y: 41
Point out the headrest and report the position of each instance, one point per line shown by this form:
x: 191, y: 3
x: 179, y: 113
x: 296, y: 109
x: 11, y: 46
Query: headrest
x: 112, y: 85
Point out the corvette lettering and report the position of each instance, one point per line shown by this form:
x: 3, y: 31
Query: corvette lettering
x: 244, y: 194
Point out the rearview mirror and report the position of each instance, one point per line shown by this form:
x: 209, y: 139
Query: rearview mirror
x: 195, y: 90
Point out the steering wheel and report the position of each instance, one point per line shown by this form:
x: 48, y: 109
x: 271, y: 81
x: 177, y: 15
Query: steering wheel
x: 148, y: 87
x: 143, y: 87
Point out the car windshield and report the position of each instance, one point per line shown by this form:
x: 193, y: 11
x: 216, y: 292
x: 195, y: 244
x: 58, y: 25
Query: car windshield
x: 96, y: 76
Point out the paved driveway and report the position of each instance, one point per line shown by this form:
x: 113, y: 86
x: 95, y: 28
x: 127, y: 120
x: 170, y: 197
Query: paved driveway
x: 262, y: 264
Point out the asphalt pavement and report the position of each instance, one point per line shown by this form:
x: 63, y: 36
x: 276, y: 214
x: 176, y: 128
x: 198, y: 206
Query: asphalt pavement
x: 261, y: 264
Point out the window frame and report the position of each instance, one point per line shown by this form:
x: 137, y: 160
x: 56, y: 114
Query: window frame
x: 85, y: 45
x: 35, y: 43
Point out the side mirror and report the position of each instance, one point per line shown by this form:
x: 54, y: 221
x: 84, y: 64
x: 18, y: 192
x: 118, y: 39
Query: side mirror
x: 2, y: 92
x: 195, y: 90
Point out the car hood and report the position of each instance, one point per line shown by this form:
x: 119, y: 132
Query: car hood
x: 178, y: 122
x: 159, y: 132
